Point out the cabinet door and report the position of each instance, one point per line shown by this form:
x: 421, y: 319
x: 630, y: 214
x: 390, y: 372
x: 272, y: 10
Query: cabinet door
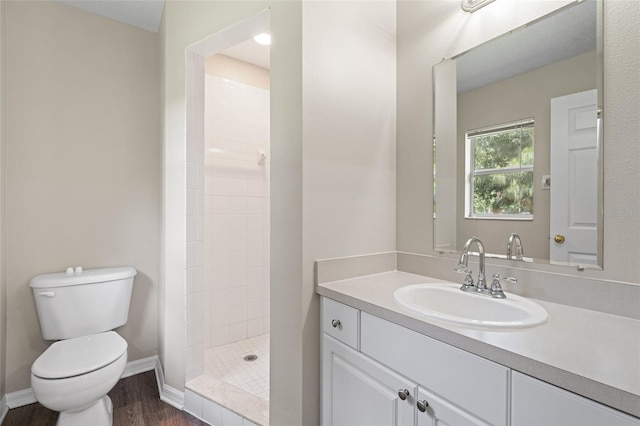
x: 535, y: 403
x: 357, y: 391
x: 440, y: 412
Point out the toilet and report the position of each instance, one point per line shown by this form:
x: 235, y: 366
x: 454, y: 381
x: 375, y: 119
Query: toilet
x: 79, y: 309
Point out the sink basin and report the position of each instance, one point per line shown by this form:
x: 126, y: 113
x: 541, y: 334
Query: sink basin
x: 446, y: 302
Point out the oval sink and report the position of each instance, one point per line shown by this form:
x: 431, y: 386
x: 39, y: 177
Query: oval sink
x: 447, y: 302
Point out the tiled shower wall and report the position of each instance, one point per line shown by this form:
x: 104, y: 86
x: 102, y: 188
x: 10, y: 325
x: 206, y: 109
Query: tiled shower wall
x: 236, y: 207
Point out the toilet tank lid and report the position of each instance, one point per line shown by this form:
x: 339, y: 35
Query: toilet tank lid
x: 80, y: 355
x: 87, y: 276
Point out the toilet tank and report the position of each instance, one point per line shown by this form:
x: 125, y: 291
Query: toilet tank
x: 87, y: 302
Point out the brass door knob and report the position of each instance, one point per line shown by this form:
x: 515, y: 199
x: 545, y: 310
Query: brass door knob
x: 559, y: 239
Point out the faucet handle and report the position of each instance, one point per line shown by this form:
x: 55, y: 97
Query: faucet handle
x: 496, y: 288
x: 468, y: 279
x: 510, y: 280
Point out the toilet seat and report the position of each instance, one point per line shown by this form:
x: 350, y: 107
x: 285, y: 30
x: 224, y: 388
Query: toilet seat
x: 78, y: 356
x: 77, y: 393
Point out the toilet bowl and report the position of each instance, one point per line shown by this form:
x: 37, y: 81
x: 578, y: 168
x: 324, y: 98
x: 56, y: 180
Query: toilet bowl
x: 77, y: 308
x: 74, y: 376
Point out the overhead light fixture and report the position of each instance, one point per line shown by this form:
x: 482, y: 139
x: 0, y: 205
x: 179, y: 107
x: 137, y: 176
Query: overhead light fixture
x: 263, y: 39
x: 473, y: 5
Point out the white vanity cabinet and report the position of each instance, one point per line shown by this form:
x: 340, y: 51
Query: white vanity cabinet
x: 368, y: 363
x: 379, y: 384
x: 535, y: 403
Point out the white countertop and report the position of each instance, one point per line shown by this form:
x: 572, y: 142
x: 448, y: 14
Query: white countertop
x: 590, y: 353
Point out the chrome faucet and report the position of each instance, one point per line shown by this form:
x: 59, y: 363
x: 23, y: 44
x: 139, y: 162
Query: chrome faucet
x: 467, y: 285
x: 519, y: 252
x: 481, y: 288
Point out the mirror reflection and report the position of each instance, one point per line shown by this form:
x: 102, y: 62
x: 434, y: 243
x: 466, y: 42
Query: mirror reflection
x: 517, y: 137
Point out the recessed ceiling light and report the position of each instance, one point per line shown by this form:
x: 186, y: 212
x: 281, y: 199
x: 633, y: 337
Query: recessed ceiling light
x: 263, y: 39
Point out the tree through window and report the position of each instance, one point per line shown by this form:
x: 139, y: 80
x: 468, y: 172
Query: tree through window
x: 500, y: 171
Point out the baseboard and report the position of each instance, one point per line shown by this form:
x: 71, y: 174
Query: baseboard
x: 140, y: 366
x: 20, y: 398
x: 168, y: 394
x: 3, y: 408
x: 173, y: 396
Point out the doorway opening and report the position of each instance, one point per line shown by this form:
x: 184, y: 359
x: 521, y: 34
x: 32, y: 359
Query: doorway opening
x: 228, y: 187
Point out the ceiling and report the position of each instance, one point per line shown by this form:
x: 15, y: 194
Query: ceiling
x: 559, y: 36
x: 251, y: 52
x: 146, y: 14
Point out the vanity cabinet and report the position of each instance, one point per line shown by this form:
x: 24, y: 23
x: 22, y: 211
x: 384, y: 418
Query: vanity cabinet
x: 368, y: 363
x: 378, y: 385
x: 534, y: 403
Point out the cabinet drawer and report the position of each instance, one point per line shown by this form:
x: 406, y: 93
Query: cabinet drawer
x: 341, y: 322
x: 475, y: 384
x: 535, y: 403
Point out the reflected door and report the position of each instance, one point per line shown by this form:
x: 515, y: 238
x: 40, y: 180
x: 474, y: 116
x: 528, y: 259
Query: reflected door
x: 574, y: 176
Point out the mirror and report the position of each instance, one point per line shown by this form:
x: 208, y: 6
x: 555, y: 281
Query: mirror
x: 518, y: 141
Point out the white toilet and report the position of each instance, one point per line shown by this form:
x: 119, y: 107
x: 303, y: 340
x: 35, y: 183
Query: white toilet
x: 79, y: 309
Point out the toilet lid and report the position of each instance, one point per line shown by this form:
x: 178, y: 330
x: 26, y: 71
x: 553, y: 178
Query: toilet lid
x: 80, y: 355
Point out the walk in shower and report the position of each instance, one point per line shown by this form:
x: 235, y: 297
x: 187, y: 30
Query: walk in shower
x: 228, y: 310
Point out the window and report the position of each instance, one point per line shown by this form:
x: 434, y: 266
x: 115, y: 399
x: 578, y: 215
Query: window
x: 499, y: 167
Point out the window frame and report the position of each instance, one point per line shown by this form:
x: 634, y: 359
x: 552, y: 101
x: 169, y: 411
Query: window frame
x: 471, y: 173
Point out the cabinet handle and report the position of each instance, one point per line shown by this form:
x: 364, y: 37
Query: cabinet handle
x: 335, y: 323
x: 422, y: 405
x: 403, y: 393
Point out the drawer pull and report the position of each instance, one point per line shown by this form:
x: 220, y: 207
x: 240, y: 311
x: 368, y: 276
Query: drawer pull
x: 403, y: 394
x: 335, y: 323
x: 422, y: 405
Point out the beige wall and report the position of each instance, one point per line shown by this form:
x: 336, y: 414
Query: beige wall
x: 243, y: 72
x: 419, y: 50
x: 349, y: 88
x: 505, y: 97
x: 82, y: 165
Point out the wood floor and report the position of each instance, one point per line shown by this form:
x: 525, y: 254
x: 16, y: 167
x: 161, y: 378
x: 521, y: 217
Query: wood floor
x: 135, y: 402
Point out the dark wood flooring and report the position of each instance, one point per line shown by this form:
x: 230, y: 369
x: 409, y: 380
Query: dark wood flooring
x: 135, y: 402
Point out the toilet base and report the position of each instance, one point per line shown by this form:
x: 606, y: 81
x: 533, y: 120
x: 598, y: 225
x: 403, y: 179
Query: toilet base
x: 98, y: 414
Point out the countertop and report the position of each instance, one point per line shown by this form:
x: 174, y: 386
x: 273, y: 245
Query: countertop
x: 590, y: 353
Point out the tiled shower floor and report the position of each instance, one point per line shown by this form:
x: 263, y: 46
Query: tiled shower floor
x: 238, y: 385
x: 227, y: 363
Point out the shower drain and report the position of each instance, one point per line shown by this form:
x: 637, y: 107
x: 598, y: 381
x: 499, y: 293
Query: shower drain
x: 250, y: 357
